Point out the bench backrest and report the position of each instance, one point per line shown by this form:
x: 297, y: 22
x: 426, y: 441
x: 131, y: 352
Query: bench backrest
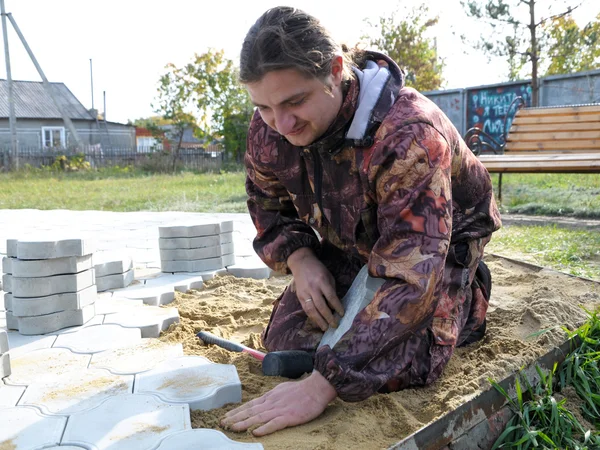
x: 568, y: 129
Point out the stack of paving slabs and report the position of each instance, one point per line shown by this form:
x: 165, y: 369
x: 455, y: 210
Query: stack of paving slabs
x: 196, y: 248
x: 4, y: 356
x: 112, y: 271
x: 49, y: 285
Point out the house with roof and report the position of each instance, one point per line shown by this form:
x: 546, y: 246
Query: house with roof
x: 40, y: 125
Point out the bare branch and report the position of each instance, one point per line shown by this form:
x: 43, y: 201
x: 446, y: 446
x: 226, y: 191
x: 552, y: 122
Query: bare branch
x: 557, y: 16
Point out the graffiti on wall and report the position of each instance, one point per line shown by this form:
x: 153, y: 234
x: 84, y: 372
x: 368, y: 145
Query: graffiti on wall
x: 487, y: 107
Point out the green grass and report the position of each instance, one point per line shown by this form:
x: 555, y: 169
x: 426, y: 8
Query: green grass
x: 123, y: 190
x: 542, y: 421
x: 572, y: 251
x: 576, y: 195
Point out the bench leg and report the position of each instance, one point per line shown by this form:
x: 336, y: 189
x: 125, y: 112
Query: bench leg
x: 500, y: 188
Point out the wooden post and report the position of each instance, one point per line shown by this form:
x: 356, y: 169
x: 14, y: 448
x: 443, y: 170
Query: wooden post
x: 47, y: 85
x: 12, y: 119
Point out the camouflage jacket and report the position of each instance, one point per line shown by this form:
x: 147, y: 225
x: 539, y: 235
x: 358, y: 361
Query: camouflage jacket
x: 397, y: 200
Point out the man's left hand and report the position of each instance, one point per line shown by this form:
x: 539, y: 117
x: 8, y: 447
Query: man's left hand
x: 287, y: 405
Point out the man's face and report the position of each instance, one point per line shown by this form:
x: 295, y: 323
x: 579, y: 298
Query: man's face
x: 297, y: 107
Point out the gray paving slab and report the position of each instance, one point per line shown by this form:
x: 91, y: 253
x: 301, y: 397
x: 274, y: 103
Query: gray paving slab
x: 192, y: 380
x: 7, y: 264
x: 54, y: 248
x: 115, y: 304
x: 150, y: 320
x: 109, y: 263
x: 190, y: 254
x: 199, y: 265
x: 38, y: 306
x: 12, y: 323
x: 116, y: 281
x: 57, y: 284
x: 10, y: 395
x: 24, y: 427
x: 49, y: 323
x: 249, y: 269
x: 211, y: 439
x: 125, y: 422
x: 137, y: 358
x: 44, y: 364
x: 98, y: 338
x: 7, y: 282
x: 20, y: 344
x: 177, y: 282
x: 92, y: 387
x: 36, y: 268
x: 3, y: 342
x: 4, y: 365
x: 11, y: 248
x: 195, y: 230
x: 197, y: 242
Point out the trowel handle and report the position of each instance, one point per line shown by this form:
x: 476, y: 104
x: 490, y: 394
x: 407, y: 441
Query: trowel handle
x: 210, y: 338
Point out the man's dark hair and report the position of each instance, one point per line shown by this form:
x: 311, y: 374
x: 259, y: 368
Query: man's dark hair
x: 288, y: 38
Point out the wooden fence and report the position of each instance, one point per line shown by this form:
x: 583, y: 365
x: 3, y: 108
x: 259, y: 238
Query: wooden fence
x: 187, y: 159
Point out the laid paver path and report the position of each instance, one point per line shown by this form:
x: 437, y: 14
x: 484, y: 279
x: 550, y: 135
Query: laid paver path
x: 109, y: 383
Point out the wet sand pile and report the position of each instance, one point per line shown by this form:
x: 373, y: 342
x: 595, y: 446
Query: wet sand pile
x: 527, y: 310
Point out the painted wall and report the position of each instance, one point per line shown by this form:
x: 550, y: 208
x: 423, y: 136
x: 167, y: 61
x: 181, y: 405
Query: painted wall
x: 486, y: 106
x: 29, y: 133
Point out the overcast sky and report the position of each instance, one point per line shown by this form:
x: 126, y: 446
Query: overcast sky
x: 130, y: 41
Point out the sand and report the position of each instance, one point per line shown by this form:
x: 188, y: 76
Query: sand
x: 527, y: 310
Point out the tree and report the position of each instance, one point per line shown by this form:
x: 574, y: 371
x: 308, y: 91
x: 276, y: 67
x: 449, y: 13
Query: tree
x: 405, y: 42
x: 206, y: 92
x: 515, y: 32
x: 572, y: 49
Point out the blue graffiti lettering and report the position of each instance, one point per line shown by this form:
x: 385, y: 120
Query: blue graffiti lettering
x: 493, y: 127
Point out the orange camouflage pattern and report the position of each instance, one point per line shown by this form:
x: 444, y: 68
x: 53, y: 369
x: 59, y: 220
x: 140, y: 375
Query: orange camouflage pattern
x: 416, y: 206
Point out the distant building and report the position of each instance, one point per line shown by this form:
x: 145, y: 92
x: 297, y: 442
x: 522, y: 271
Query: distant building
x: 40, y: 124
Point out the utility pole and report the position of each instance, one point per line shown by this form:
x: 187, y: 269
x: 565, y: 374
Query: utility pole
x: 92, y: 81
x: 47, y: 85
x: 12, y: 120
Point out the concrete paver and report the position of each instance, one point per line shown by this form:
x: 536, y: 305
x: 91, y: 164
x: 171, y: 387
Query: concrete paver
x: 136, y: 358
x: 26, y: 427
x: 54, y: 248
x: 211, y: 439
x: 189, y: 254
x: 115, y: 281
x: 48, y: 370
x: 195, y: 230
x: 36, y: 268
x: 76, y: 392
x: 192, y: 380
x: 4, y: 365
x: 198, y: 265
x: 58, y: 284
x: 98, y: 338
x: 10, y: 395
x: 48, y: 323
x: 38, y: 306
x: 20, y: 344
x: 109, y: 263
x: 197, y: 242
x: 125, y: 422
x: 150, y: 320
x: 44, y: 364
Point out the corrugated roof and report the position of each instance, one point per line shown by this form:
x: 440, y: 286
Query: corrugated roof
x: 33, y: 102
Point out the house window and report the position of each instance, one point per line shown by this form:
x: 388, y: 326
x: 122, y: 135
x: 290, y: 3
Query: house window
x: 147, y: 144
x: 53, y: 137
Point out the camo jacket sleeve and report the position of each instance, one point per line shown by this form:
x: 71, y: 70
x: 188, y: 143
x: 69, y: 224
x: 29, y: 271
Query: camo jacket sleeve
x: 280, y: 232
x: 409, y: 172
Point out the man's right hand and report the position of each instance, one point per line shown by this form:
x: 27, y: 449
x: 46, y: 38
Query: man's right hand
x: 315, y: 288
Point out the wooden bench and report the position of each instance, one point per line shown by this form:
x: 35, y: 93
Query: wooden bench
x: 564, y: 139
